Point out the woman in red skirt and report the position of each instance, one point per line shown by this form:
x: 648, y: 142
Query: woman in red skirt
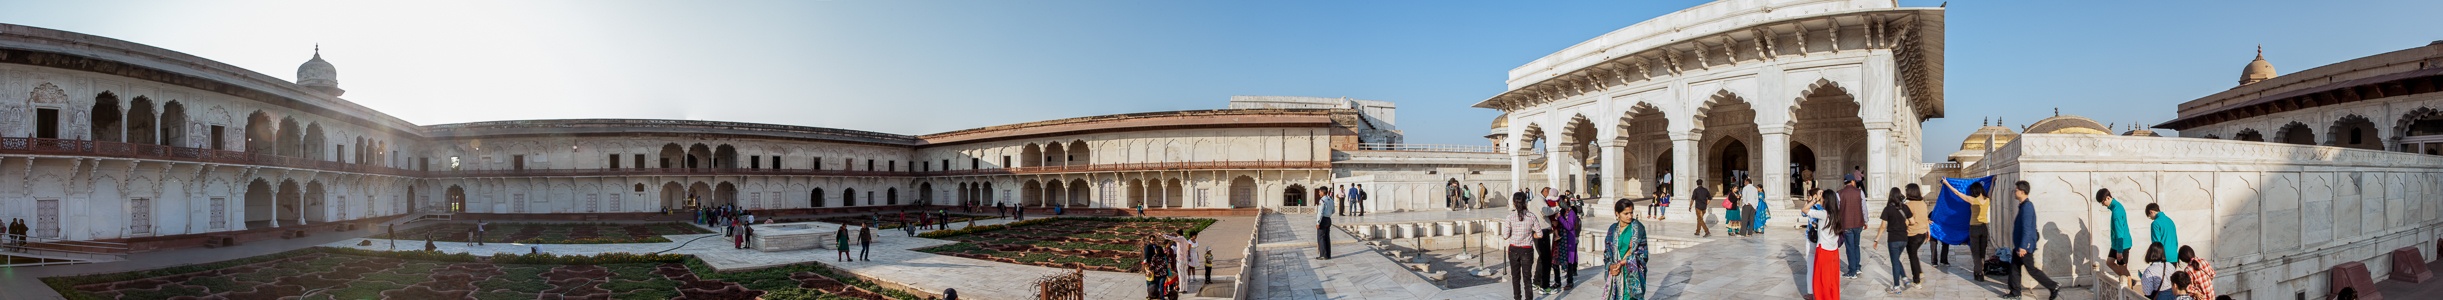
x: 1825, y: 272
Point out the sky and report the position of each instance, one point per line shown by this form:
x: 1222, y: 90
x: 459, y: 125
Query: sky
x: 918, y: 67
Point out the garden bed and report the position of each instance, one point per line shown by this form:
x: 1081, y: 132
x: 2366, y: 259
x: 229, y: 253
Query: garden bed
x: 1102, y: 244
x: 334, y: 273
x: 551, y: 233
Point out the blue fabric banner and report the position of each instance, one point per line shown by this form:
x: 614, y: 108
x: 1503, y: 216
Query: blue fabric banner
x: 1951, y: 213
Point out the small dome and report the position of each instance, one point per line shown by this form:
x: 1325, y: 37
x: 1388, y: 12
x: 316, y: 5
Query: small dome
x: 1976, y: 141
x: 2257, y: 70
x: 2068, y: 124
x: 319, y: 75
x: 2140, y: 132
x: 1502, y: 121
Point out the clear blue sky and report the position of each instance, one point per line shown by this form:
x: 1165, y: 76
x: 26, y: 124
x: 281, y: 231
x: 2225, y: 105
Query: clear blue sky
x: 915, y: 67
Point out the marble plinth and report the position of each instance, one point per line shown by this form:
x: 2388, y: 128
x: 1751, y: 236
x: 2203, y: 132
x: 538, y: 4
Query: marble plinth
x: 793, y: 236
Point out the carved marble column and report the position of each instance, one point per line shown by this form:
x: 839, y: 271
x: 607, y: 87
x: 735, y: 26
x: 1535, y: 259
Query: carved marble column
x: 1776, y: 168
x: 1613, y: 167
x: 1684, y: 165
x: 1518, y: 170
x: 1556, y: 167
x: 1878, y: 162
x: 275, y: 207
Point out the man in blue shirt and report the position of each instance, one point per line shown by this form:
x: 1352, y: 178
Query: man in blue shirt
x: 2119, y: 255
x: 2163, y: 230
x: 2023, y: 248
x: 1357, y: 199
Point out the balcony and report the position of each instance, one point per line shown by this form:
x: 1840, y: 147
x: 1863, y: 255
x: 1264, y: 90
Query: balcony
x: 1428, y: 148
x: 1128, y: 167
x: 656, y: 172
x: 36, y: 146
x: 40, y: 146
x: 1123, y: 167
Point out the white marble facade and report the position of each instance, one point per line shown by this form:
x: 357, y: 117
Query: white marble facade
x: 1729, y: 87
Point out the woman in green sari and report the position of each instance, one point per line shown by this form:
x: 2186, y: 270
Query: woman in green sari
x: 1625, y: 254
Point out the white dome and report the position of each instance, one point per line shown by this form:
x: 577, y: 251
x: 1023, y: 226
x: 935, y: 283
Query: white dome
x: 319, y: 75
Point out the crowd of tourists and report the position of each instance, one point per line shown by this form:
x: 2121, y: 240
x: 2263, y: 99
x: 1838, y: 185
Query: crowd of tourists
x: 1168, y: 260
x: 1542, y: 238
x: 1457, y: 196
x: 15, y: 239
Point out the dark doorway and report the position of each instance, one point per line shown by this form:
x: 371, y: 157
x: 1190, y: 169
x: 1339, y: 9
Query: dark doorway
x: 46, y: 123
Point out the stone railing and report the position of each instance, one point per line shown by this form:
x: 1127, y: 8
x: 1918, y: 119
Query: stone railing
x: 660, y: 171
x: 1428, y: 147
x: 1120, y: 167
x: 2272, y: 217
x: 40, y: 146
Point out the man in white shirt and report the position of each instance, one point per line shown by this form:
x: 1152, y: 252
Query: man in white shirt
x: 1323, y: 224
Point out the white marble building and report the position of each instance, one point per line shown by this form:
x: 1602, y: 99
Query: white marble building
x: 1729, y: 87
x: 111, y: 140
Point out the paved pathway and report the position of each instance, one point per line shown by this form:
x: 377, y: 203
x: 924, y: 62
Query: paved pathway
x: 1758, y: 267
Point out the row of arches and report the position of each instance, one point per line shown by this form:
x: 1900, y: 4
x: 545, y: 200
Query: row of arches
x: 683, y: 196
x: 267, y: 204
x: 287, y: 138
x: 698, y: 156
x: 1075, y: 153
x: 1149, y: 193
x: 1724, y: 142
x: 2418, y: 131
x: 137, y: 123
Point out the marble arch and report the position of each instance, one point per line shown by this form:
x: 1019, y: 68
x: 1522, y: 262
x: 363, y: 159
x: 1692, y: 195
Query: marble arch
x: 2295, y: 133
x: 2402, y: 130
x: 105, y: 122
x: 2354, y: 131
x: 1783, y: 64
x: 2248, y: 134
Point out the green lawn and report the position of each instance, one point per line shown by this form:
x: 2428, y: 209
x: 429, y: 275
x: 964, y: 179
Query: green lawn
x: 1108, y: 244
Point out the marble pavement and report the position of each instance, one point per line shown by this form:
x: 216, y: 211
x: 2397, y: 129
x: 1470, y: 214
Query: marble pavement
x: 1758, y: 267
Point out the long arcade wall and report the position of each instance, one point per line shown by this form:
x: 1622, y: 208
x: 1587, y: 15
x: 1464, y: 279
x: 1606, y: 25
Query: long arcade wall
x: 2273, y: 218
x: 105, y: 139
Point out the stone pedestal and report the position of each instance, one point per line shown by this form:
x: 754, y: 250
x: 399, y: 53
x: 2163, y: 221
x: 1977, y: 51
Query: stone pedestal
x: 793, y: 236
x: 2410, y: 266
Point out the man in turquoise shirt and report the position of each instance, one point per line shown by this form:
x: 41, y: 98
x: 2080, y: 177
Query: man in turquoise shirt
x: 2119, y: 256
x: 2164, y: 231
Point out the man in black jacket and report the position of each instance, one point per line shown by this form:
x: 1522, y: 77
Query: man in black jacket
x: 1698, y: 203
